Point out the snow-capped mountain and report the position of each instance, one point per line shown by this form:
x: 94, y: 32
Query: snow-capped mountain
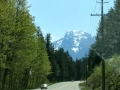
x: 76, y: 42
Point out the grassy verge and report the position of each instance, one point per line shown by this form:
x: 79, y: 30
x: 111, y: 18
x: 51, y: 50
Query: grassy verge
x: 84, y: 87
x: 51, y: 83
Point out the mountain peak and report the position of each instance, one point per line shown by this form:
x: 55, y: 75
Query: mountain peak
x: 75, y: 33
x: 77, y: 42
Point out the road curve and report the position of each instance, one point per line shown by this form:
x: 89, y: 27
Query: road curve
x: 63, y: 86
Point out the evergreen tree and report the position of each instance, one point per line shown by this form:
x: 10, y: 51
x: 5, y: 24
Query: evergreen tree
x: 110, y: 39
x: 51, y: 52
x: 79, y: 69
x: 40, y: 66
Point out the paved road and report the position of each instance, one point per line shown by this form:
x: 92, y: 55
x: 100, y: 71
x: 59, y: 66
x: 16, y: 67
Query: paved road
x: 63, y: 86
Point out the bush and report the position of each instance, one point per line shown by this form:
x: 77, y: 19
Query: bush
x: 84, y: 87
x: 112, y: 75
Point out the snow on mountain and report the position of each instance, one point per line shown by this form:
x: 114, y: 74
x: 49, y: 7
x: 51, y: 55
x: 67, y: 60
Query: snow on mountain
x: 76, y: 42
x: 57, y: 44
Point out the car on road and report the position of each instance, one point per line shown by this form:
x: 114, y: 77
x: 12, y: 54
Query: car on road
x: 43, y: 86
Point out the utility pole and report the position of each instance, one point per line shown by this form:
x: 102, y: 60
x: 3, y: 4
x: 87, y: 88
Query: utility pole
x: 103, y: 62
x: 102, y: 28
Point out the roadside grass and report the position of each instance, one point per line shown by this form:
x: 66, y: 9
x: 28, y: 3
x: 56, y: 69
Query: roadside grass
x: 51, y: 83
x: 84, y: 87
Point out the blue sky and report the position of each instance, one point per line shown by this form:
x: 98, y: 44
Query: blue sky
x: 59, y: 16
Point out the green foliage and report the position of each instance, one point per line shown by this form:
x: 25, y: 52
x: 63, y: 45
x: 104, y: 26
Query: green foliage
x: 93, y: 60
x: 83, y: 86
x: 109, y: 41
x: 23, y: 55
x: 40, y: 66
x: 110, y: 45
x: 95, y: 79
x: 112, y: 74
x: 63, y: 66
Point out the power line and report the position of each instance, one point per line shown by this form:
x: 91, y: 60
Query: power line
x: 95, y: 7
x: 102, y: 28
x: 107, y: 5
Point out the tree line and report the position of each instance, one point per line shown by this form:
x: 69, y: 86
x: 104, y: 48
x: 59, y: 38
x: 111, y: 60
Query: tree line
x: 106, y: 47
x: 27, y: 58
x: 110, y: 40
x: 64, y: 68
x: 23, y: 58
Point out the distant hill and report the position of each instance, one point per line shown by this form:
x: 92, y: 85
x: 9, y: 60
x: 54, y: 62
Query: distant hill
x: 76, y: 42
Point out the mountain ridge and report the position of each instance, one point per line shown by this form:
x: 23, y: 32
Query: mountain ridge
x: 76, y: 42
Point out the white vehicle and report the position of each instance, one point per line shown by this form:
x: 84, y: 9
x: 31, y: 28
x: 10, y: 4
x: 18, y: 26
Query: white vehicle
x: 44, y: 86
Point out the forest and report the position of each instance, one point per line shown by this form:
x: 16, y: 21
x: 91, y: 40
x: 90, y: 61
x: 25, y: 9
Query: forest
x: 27, y: 58
x: 107, y: 48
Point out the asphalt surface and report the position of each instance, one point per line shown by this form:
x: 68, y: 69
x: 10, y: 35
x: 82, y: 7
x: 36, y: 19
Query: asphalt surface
x: 72, y: 85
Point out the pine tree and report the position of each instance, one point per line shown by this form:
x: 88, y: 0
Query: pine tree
x: 40, y: 66
x: 110, y: 34
x: 51, y: 53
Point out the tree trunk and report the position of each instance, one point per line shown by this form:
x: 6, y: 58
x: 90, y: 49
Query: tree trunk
x: 4, y: 78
